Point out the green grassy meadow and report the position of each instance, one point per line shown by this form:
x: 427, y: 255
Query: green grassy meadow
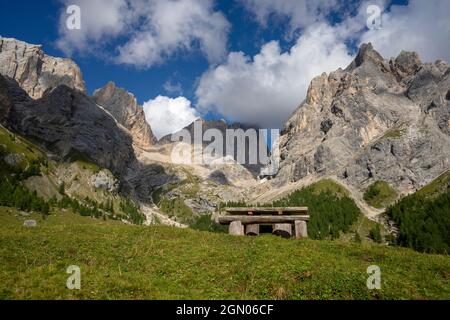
x: 124, y: 261
x: 121, y: 261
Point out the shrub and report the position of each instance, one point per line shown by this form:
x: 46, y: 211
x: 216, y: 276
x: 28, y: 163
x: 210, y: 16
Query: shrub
x: 34, y: 169
x: 177, y: 208
x: 62, y: 188
x: 206, y: 223
x: 375, y: 234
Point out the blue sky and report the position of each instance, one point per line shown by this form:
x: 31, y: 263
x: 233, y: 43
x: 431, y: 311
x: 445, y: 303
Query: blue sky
x: 37, y: 22
x: 260, y: 71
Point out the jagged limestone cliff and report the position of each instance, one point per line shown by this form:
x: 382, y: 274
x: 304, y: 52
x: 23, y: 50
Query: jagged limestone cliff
x: 123, y: 106
x: 376, y: 120
x: 36, y: 72
x: 68, y: 124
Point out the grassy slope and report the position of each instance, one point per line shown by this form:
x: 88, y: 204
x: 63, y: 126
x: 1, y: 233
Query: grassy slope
x: 15, y: 144
x: 362, y: 226
x: 380, y: 195
x: 437, y: 186
x: 120, y: 261
x: 423, y: 217
x: 131, y: 262
x: 327, y: 185
x: 75, y: 174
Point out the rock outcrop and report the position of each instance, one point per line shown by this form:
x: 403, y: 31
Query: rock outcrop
x: 376, y: 120
x: 222, y: 126
x: 36, y: 72
x: 104, y: 180
x: 124, y: 108
x: 67, y: 123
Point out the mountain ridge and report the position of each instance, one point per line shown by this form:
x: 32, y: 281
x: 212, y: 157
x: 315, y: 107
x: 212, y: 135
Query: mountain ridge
x: 356, y: 123
x: 375, y: 120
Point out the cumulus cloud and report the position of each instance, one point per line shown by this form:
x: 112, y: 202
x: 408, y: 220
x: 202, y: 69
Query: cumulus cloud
x: 300, y: 13
x: 263, y: 89
x: 96, y: 29
x: 267, y: 88
x: 422, y: 26
x: 166, y: 115
x: 146, y: 32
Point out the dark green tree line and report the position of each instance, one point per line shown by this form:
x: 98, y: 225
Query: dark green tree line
x: 423, y: 223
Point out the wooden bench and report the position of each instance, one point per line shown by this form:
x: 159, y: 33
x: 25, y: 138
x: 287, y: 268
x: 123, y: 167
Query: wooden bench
x: 247, y: 221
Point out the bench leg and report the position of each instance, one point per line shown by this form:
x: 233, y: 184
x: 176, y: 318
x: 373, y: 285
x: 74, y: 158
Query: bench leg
x: 252, y: 230
x: 282, y: 229
x: 301, y: 230
x: 236, y: 228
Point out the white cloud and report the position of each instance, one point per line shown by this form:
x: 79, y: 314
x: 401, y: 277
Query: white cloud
x: 146, y: 32
x: 101, y: 20
x: 300, y: 13
x: 166, y: 115
x: 267, y: 88
x: 421, y: 26
x: 173, y: 87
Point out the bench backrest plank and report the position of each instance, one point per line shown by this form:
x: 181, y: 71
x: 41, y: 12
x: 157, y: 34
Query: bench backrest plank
x: 267, y: 210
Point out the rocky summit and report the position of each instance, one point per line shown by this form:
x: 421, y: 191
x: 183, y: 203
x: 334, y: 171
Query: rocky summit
x: 376, y: 120
x: 124, y: 108
x: 36, y: 72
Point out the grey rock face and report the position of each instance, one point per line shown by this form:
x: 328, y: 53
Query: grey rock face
x: 36, y: 72
x: 10, y: 93
x: 376, y: 120
x: 223, y: 126
x: 124, y: 108
x: 219, y: 177
x: 67, y: 123
x: 141, y: 180
x: 105, y: 180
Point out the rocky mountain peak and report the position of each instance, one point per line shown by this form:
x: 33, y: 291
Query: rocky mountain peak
x: 366, y: 54
x: 125, y: 109
x: 36, y: 72
x: 376, y: 120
